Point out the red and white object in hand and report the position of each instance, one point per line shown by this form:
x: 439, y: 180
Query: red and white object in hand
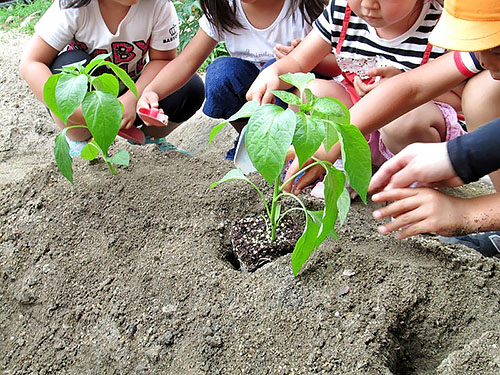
x: 153, y: 117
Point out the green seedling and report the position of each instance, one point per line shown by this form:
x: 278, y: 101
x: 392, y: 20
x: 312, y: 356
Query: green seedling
x: 75, y: 87
x: 271, y: 131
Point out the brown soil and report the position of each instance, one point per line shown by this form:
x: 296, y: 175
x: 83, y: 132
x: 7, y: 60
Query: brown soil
x: 128, y: 274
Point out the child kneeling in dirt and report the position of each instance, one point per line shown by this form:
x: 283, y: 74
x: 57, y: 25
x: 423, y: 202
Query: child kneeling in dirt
x: 465, y: 25
x: 141, y: 36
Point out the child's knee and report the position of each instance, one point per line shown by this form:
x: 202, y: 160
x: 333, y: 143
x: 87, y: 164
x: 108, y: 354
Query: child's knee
x: 479, y: 100
x: 323, y: 88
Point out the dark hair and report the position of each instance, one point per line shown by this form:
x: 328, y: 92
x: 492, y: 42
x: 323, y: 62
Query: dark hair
x: 223, y: 16
x: 65, y: 4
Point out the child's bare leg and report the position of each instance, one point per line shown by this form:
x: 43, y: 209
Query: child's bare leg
x: 480, y: 100
x: 322, y: 88
x: 423, y: 124
x: 76, y: 134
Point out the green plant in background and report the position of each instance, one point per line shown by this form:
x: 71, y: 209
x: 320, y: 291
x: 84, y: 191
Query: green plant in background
x: 271, y: 131
x: 189, y: 12
x: 98, y: 97
x: 22, y: 15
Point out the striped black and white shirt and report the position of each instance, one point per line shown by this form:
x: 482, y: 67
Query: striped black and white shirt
x: 363, y: 49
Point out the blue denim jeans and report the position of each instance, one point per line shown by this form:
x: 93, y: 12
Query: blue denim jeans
x: 226, y: 84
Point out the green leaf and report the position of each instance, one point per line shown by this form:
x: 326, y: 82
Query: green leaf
x: 247, y: 110
x: 288, y: 97
x: 122, y: 157
x: 334, y: 181
x: 49, y: 94
x: 268, y: 137
x: 331, y: 109
x: 90, y: 151
x: 331, y: 135
x: 107, y: 83
x: 61, y: 154
x: 216, y: 129
x: 344, y: 204
x: 308, y: 136
x: 123, y: 76
x: 310, y: 97
x: 299, y: 80
x: 72, y: 69
x: 96, y: 61
x: 305, y: 245
x: 317, y: 216
x: 70, y: 91
x: 103, y: 114
x: 233, y: 174
x: 356, y: 156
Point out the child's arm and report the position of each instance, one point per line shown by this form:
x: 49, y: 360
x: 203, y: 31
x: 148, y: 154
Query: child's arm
x: 425, y: 210
x: 157, y: 61
x: 34, y: 67
x: 328, y: 67
x: 303, y: 58
x: 178, y: 72
x: 391, y: 99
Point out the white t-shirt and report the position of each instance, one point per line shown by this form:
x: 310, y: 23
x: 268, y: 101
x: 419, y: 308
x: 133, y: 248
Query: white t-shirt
x: 149, y: 23
x: 256, y: 45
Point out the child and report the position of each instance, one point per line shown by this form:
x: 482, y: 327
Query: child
x: 142, y: 37
x: 425, y: 210
x: 253, y: 31
x: 371, y: 38
x: 469, y: 26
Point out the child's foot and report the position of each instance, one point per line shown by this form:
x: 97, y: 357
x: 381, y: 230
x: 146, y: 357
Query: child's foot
x: 162, y: 145
x: 230, y: 153
x: 487, y: 243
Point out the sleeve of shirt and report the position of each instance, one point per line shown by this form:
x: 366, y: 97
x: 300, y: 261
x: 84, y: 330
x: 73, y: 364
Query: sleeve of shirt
x: 467, y: 63
x: 57, y: 26
x: 323, y: 24
x: 476, y: 154
x: 209, y: 29
x: 165, y: 34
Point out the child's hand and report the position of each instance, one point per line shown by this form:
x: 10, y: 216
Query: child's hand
x: 149, y: 99
x: 419, y: 210
x: 129, y: 102
x: 425, y: 163
x: 281, y: 50
x: 379, y: 73
x: 310, y: 175
x: 261, y: 88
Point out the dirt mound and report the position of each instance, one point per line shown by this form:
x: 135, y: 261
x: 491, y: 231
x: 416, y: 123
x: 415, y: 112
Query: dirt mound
x: 130, y: 274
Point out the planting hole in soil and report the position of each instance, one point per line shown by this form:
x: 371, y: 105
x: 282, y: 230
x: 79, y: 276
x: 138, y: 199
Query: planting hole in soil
x: 252, y: 247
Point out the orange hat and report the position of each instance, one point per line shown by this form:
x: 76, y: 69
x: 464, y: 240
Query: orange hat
x: 468, y: 25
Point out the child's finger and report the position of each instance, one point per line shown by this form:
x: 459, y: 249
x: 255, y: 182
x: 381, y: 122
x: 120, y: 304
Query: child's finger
x: 290, y: 155
x: 310, y: 175
x: 292, y: 169
x: 395, y: 194
x: 385, y: 174
x: 418, y: 227
x: 268, y: 97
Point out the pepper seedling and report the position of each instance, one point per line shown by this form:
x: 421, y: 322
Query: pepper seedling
x: 271, y: 130
x: 74, y: 87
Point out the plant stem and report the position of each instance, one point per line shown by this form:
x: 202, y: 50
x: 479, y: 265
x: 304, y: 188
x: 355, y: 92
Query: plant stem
x: 274, y: 203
